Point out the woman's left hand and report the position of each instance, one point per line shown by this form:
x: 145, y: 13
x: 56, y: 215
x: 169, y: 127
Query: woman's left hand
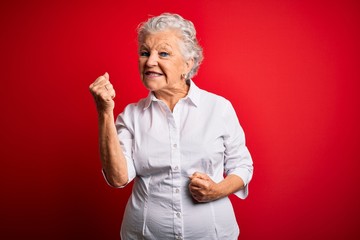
x: 203, y: 188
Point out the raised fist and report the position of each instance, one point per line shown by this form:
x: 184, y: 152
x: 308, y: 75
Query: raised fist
x: 103, y: 93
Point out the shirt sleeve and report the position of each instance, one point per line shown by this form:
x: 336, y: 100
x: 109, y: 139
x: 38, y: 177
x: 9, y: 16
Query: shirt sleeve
x: 237, y: 160
x: 125, y: 136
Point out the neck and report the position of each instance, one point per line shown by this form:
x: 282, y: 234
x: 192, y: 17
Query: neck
x: 172, y: 95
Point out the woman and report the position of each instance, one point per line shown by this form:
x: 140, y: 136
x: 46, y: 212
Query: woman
x: 177, y: 144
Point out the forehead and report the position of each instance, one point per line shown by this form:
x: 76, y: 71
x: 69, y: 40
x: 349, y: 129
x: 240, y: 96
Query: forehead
x: 167, y: 38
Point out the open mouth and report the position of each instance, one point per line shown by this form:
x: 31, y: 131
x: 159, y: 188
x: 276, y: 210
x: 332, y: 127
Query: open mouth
x: 152, y: 74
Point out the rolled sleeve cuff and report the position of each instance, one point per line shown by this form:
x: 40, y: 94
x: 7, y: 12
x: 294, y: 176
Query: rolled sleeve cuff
x: 131, y: 174
x: 246, y: 176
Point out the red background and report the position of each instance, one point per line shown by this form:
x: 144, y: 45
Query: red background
x: 290, y: 68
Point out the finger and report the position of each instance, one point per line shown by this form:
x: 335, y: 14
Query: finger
x: 108, y: 86
x: 102, y: 79
x: 106, y: 75
x: 200, y: 175
x: 112, y: 93
x: 197, y: 193
x: 105, y: 96
x: 110, y: 89
x: 194, y: 186
x: 194, y: 175
x: 99, y: 79
x: 100, y: 86
x: 194, y: 192
x: 198, y: 182
x: 200, y: 195
x: 103, y: 91
x: 200, y: 199
x: 97, y: 88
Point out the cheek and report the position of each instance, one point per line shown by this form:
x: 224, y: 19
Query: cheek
x: 175, y: 67
x: 181, y: 66
x: 141, y: 65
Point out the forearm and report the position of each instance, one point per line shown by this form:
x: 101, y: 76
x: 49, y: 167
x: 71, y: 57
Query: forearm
x: 112, y: 157
x: 204, y: 189
x: 231, y: 184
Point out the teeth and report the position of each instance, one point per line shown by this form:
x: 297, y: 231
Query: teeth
x: 153, y: 74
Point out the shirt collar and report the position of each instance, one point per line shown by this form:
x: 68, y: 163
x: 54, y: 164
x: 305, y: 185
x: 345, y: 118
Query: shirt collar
x: 194, y: 93
x: 193, y: 96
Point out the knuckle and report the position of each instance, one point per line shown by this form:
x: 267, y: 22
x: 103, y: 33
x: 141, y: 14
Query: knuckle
x: 91, y: 87
x: 102, y: 96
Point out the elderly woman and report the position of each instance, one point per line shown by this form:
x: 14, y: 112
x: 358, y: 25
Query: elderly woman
x: 183, y: 146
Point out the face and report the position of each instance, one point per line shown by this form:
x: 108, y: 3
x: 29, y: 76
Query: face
x: 161, y: 62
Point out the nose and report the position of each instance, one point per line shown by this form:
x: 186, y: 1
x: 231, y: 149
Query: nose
x: 152, y: 60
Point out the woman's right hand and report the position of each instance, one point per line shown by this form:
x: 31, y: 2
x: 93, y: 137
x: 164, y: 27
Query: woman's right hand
x: 103, y: 93
x: 112, y: 157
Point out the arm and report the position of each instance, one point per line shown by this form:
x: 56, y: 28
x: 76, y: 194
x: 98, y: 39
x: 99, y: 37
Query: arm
x: 238, y: 165
x: 204, y: 189
x: 112, y: 158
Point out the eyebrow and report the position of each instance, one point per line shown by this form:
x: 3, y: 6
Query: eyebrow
x: 165, y: 45
x: 160, y: 47
x: 143, y: 46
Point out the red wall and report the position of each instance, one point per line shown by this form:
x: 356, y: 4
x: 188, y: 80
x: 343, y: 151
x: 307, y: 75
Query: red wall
x: 290, y: 68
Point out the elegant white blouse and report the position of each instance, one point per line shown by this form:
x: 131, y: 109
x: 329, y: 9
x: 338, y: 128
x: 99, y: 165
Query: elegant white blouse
x: 164, y: 148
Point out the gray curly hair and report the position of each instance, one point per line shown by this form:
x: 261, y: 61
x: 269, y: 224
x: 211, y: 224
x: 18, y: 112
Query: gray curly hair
x: 190, y: 46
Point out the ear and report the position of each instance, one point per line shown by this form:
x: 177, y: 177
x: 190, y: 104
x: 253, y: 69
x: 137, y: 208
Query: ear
x: 189, y: 65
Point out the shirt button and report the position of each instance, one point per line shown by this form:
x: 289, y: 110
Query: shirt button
x: 176, y: 168
x: 177, y: 190
x: 175, y: 145
x: 178, y: 215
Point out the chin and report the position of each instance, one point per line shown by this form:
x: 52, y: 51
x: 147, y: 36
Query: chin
x: 152, y: 84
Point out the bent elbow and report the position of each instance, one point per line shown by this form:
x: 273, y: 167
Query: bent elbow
x: 115, y: 182
x: 118, y: 184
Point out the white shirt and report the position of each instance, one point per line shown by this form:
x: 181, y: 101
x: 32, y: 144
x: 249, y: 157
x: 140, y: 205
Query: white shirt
x: 164, y: 148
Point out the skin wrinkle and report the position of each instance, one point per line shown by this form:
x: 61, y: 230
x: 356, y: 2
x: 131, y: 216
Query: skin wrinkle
x: 163, y: 62
x: 169, y: 87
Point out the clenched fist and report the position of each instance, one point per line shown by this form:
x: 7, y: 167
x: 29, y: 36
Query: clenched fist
x: 103, y: 93
x: 203, y: 188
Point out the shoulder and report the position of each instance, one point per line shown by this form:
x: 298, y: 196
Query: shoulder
x: 132, y: 111
x: 135, y: 107
x: 215, y: 105
x: 209, y: 99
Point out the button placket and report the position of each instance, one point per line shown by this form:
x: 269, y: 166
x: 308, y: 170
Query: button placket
x: 176, y: 172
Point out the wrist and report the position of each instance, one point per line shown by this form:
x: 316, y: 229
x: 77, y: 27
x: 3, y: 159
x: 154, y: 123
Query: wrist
x: 221, y: 190
x: 106, y: 115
